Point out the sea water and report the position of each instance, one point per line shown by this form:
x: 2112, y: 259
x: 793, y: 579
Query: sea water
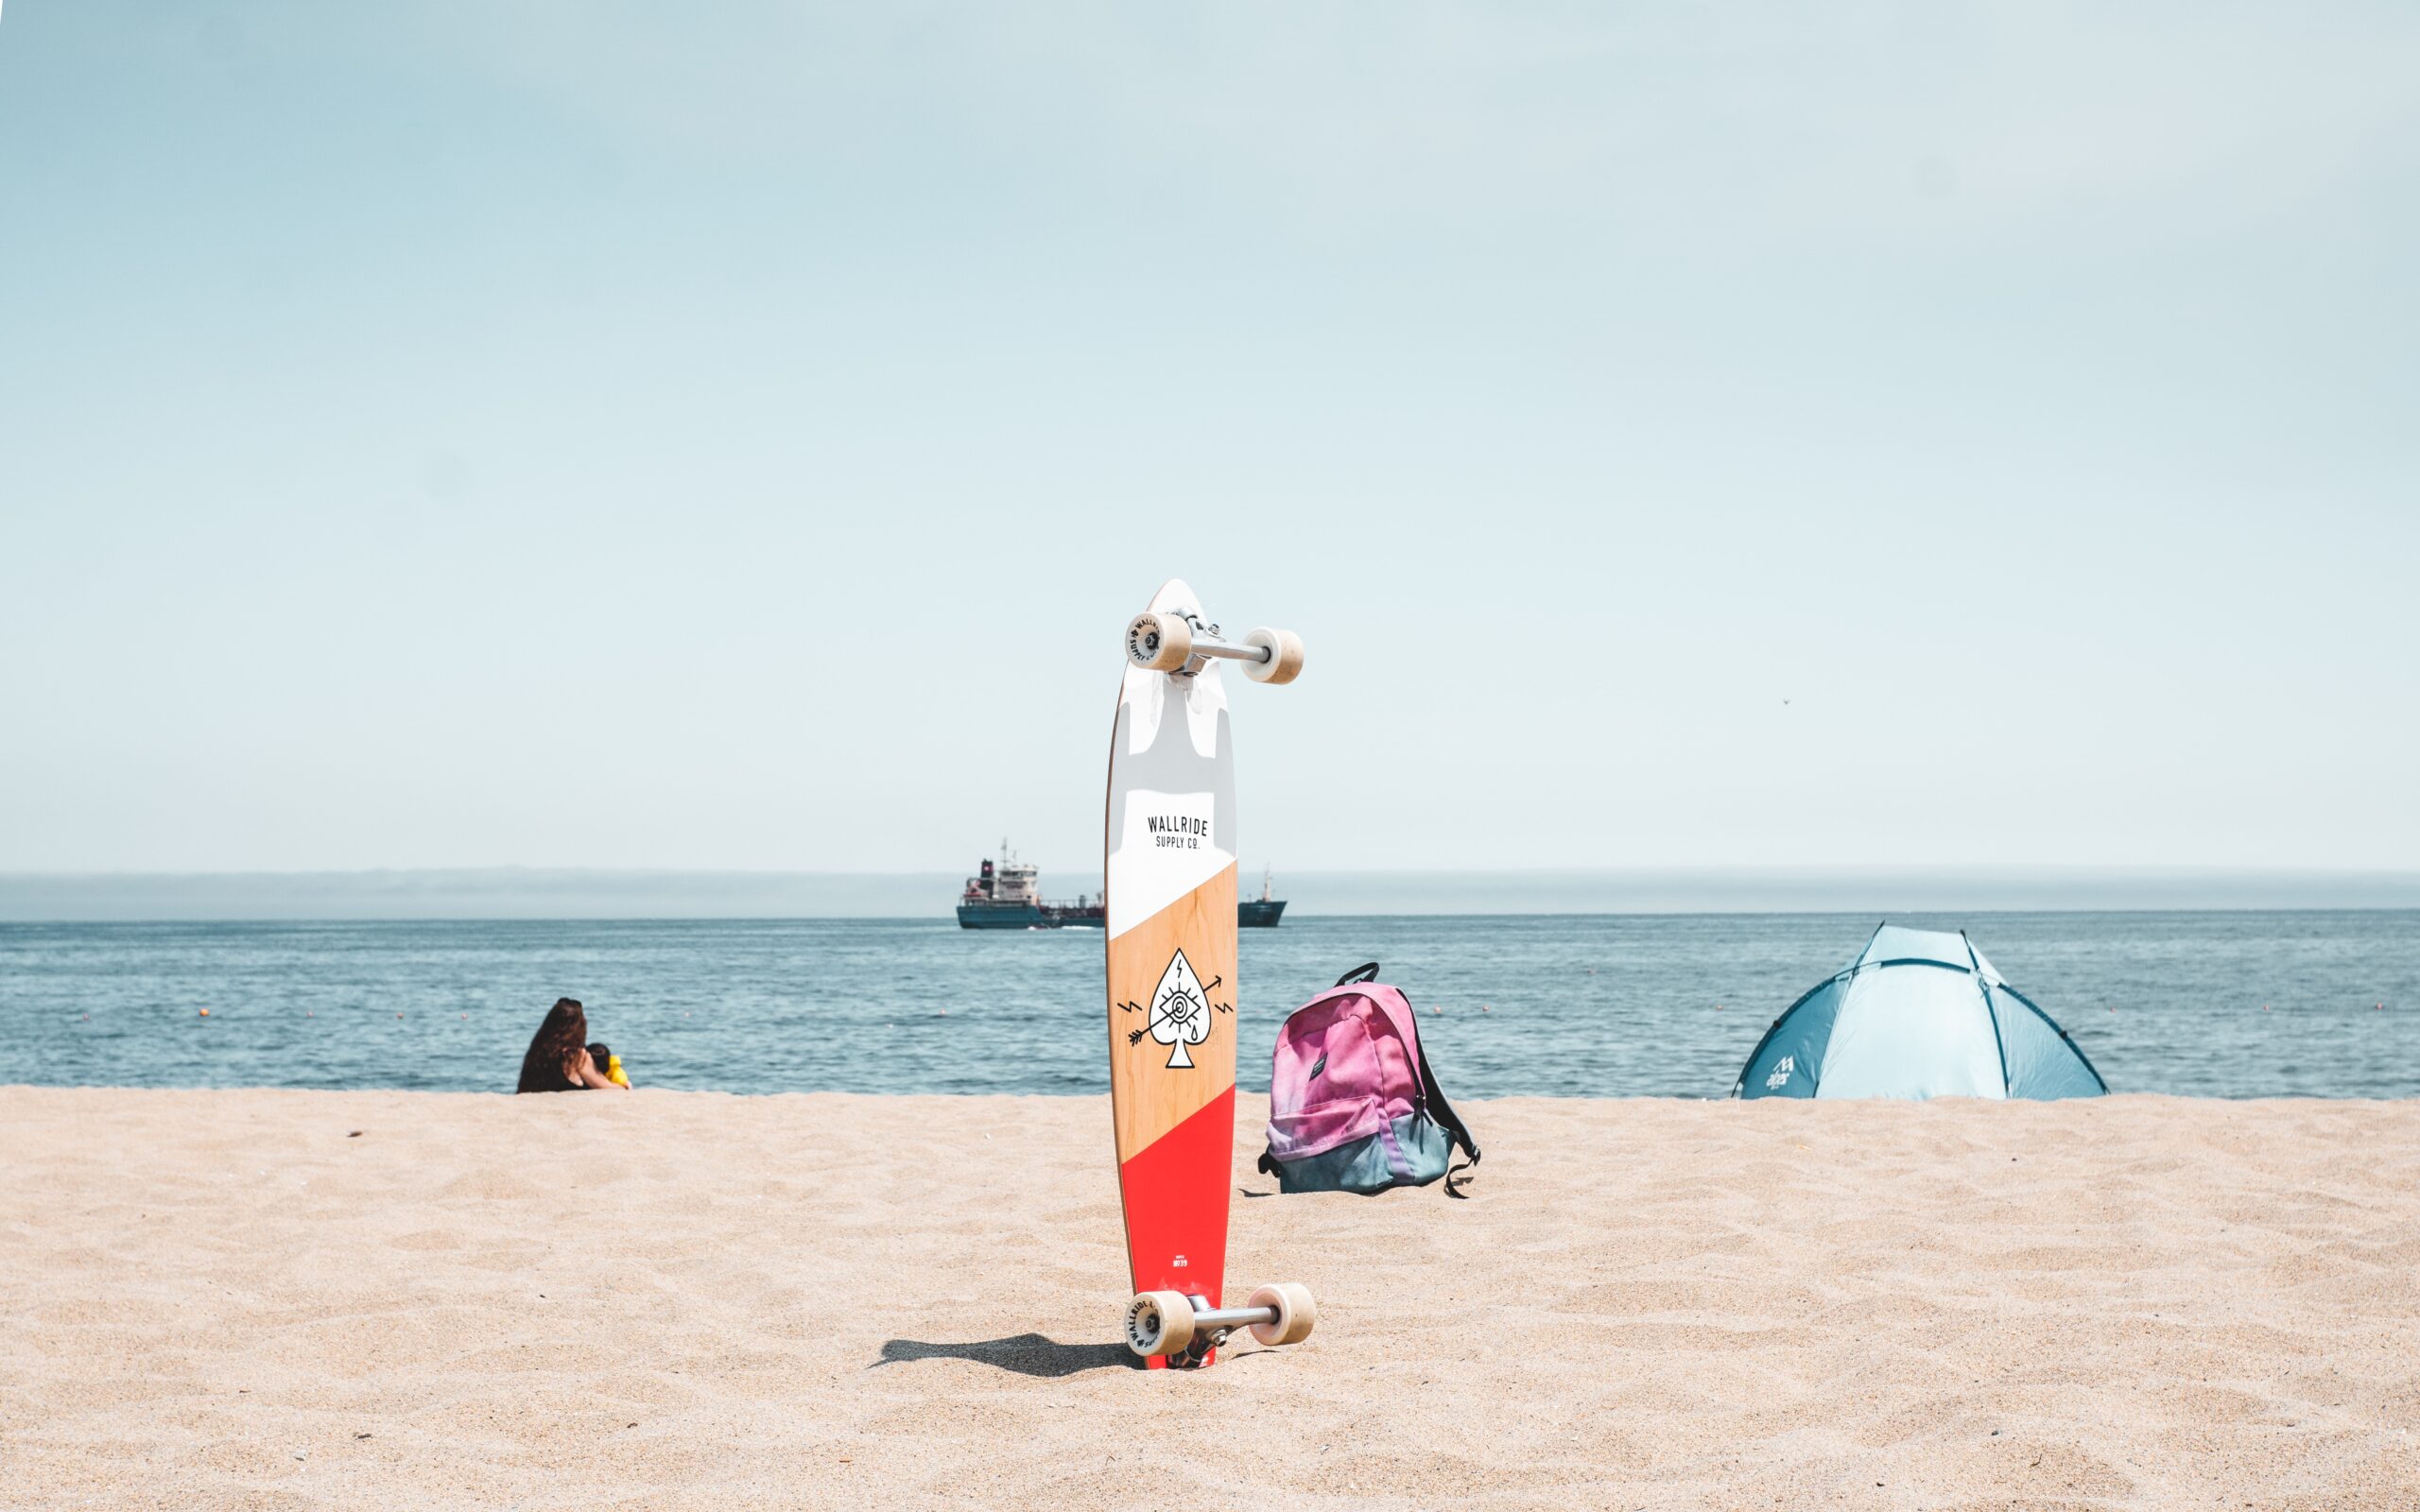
x: 2228, y: 1005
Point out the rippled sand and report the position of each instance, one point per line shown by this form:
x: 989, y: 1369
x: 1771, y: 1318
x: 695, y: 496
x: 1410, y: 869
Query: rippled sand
x: 681, y: 1299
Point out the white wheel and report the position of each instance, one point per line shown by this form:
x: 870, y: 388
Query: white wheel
x: 1159, y: 1323
x: 1285, y: 661
x: 1162, y: 643
x: 1296, y: 1313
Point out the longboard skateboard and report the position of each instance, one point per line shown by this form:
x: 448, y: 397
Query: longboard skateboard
x: 1169, y: 871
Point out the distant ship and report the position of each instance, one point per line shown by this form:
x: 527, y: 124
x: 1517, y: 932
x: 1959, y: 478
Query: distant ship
x: 1263, y: 912
x: 1009, y: 896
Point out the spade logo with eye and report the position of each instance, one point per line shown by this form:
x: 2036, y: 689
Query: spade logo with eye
x: 1179, y: 1013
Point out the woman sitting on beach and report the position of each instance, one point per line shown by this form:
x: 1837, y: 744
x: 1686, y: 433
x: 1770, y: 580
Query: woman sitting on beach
x: 557, y: 1060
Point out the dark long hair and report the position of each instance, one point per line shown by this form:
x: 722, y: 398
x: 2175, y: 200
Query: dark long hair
x: 552, y: 1063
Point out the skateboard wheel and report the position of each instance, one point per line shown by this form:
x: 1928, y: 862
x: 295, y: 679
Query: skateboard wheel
x: 1159, y: 1323
x: 1162, y: 643
x: 1296, y: 1313
x: 1285, y: 661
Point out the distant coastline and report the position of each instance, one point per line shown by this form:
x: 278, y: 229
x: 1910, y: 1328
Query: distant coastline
x: 511, y: 892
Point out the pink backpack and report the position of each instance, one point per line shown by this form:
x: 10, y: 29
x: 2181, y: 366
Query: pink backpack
x: 1353, y: 1106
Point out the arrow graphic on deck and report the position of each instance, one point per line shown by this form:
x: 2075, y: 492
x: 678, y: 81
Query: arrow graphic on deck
x: 1181, y: 1011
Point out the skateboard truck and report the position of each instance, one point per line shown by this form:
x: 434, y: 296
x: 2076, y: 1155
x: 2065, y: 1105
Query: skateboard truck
x: 1181, y: 644
x: 1171, y: 1323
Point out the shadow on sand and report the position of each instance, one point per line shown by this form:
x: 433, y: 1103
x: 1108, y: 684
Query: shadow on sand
x: 1027, y: 1354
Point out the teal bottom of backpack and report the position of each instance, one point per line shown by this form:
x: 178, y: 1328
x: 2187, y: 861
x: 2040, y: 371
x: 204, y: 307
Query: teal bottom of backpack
x: 1411, y: 1152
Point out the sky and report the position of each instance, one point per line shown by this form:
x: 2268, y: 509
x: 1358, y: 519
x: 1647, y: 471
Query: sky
x: 734, y: 436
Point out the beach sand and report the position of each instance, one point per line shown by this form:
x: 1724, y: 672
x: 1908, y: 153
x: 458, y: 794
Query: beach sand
x: 682, y: 1299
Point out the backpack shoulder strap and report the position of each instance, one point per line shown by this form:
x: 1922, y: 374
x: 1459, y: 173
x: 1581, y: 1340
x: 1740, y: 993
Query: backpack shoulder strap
x: 1451, y: 1123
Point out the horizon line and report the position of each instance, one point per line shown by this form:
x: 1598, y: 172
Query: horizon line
x: 558, y: 893
x: 1741, y: 869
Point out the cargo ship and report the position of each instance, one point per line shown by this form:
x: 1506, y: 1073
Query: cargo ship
x: 1009, y: 896
x: 1262, y: 912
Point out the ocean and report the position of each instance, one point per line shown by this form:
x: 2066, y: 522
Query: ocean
x: 2236, y: 1003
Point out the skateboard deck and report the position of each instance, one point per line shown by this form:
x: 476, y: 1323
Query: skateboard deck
x: 1170, y: 870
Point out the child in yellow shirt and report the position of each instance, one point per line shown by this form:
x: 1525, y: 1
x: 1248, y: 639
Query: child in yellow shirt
x: 609, y: 1064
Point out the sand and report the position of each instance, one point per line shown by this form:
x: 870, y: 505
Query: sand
x: 680, y: 1300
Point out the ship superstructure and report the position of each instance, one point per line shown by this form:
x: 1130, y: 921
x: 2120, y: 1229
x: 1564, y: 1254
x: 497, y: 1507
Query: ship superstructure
x: 1007, y: 894
x: 1262, y: 912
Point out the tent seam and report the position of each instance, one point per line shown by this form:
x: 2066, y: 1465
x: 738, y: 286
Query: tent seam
x: 1990, y: 1011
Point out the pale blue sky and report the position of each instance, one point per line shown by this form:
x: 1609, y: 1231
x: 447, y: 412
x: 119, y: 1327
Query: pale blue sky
x: 733, y: 435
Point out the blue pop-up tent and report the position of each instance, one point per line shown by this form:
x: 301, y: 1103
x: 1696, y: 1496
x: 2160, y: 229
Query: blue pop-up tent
x: 1919, y: 1014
